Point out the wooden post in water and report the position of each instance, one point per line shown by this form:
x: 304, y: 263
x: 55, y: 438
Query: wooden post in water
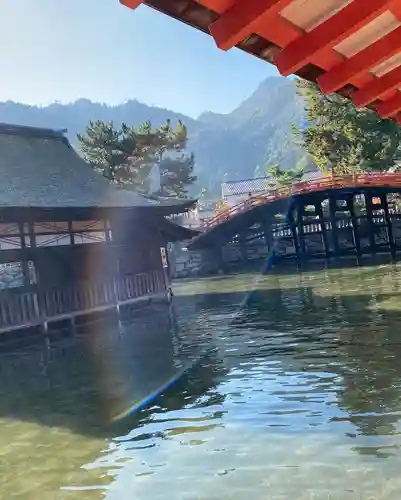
x: 371, y: 226
x: 294, y: 234
x: 301, y: 234
x: 267, y: 228
x: 73, y: 325
x: 355, y: 232
x: 242, y: 243
x: 320, y: 214
x: 218, y: 254
x: 390, y: 233
x: 334, y: 228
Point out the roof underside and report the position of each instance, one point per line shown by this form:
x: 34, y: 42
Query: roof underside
x: 39, y: 168
x: 352, y: 47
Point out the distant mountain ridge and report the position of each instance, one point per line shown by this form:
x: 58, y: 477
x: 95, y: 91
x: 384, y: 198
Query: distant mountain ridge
x: 229, y: 146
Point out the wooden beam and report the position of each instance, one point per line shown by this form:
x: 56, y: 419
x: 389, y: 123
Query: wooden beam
x: 331, y: 32
x: 243, y: 19
x: 131, y: 4
x: 278, y: 31
x: 396, y: 9
x: 377, y: 88
x: 364, y: 61
x: 389, y: 108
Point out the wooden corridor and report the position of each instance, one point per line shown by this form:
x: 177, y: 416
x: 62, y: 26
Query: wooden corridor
x: 22, y: 309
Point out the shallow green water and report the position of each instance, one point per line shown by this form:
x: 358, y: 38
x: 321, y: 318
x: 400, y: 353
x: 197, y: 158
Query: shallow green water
x: 296, y: 395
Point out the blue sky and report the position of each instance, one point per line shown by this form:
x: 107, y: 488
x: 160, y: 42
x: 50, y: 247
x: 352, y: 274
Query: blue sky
x: 65, y: 49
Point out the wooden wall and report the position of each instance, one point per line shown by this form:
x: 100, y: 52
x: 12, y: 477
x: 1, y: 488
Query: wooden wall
x: 65, y: 252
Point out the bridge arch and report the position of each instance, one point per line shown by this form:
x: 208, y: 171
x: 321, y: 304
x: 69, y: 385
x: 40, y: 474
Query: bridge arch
x: 325, y: 217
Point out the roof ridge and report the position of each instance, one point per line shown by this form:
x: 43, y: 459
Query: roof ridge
x: 247, y: 180
x: 30, y: 131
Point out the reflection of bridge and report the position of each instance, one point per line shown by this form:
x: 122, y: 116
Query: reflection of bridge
x: 324, y: 217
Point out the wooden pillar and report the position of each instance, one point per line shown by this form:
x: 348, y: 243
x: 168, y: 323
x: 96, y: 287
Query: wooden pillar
x: 40, y: 306
x: 371, y: 226
x: 31, y: 232
x: 25, y: 266
x: 218, y: 255
x: 293, y: 229
x: 243, y: 248
x: 107, y: 231
x: 320, y: 214
x: 267, y: 228
x: 73, y: 325
x: 301, y: 235
x: 71, y: 232
x: 46, y: 352
x: 391, y: 241
x: 355, y: 232
x: 334, y: 228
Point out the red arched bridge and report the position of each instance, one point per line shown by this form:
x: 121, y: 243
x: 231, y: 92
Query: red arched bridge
x: 327, y: 216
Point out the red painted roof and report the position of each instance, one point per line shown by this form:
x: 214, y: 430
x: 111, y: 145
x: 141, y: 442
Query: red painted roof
x: 352, y: 47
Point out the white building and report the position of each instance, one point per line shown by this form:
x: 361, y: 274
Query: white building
x: 195, y: 217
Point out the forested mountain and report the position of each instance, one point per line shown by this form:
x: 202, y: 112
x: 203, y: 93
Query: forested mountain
x: 229, y: 146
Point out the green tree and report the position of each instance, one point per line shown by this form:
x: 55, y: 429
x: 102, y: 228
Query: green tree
x: 126, y: 156
x: 284, y: 177
x: 343, y: 139
x: 176, y: 175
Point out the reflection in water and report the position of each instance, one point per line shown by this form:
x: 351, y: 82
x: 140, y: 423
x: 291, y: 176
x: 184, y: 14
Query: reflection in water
x: 296, y: 396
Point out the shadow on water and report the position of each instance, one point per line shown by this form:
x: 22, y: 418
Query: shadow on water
x: 93, y: 382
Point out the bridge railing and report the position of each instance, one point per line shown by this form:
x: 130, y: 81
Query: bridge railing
x: 323, y: 183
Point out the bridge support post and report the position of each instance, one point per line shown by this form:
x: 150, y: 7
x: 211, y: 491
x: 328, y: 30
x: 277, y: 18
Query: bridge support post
x: 218, y: 255
x: 320, y: 214
x: 355, y: 232
x: 267, y: 229
x: 371, y: 226
x: 293, y: 229
x: 243, y: 248
x: 334, y: 228
x: 301, y: 234
x: 390, y: 233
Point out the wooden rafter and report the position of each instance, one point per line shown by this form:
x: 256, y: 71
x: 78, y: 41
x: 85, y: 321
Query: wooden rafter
x: 377, y: 88
x: 389, y: 108
x: 243, y: 19
x: 131, y: 4
x: 331, y: 32
x: 361, y: 62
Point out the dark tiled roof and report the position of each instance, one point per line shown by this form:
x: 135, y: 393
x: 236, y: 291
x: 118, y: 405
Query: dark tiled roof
x: 246, y: 186
x: 311, y: 176
x: 258, y: 185
x: 39, y: 168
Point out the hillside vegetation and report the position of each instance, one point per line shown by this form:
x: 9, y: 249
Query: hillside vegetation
x: 231, y: 146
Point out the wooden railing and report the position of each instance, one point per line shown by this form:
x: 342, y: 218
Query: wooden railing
x: 318, y: 184
x: 27, y: 308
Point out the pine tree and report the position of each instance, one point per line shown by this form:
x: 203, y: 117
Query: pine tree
x: 107, y: 148
x: 127, y: 156
x: 284, y: 177
x: 176, y: 175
